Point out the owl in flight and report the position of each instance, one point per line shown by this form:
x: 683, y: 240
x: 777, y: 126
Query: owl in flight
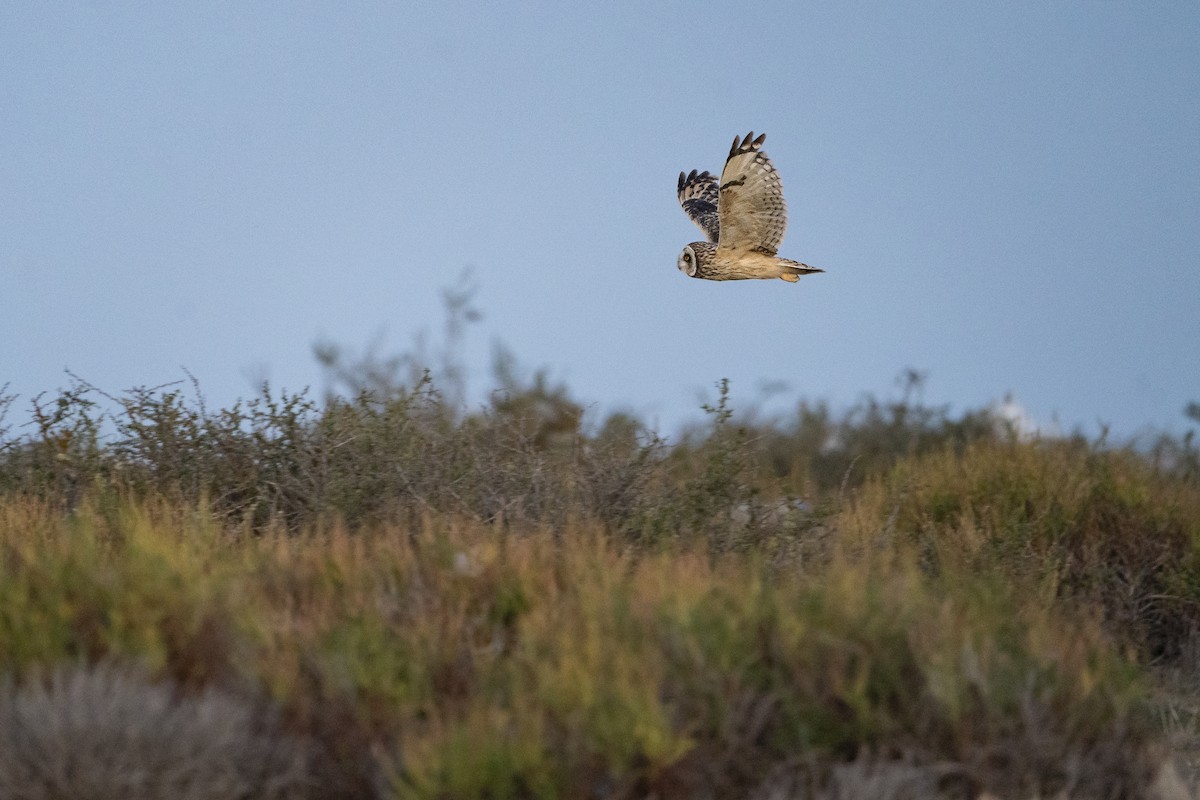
x: 743, y: 216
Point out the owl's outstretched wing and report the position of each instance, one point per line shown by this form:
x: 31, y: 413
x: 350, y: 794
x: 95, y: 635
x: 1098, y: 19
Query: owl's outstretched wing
x: 698, y: 196
x: 751, y: 208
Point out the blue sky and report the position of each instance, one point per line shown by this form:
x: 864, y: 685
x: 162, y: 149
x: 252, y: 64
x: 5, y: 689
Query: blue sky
x: 1005, y: 196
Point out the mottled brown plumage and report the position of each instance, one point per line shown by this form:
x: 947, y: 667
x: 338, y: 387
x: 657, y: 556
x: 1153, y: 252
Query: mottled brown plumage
x: 744, y: 216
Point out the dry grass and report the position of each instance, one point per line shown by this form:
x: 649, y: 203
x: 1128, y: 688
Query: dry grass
x: 465, y: 660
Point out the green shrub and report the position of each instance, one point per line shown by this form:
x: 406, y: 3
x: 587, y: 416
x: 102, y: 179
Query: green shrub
x: 1093, y: 528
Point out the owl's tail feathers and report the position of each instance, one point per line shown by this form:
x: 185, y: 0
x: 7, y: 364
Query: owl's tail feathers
x: 792, y: 270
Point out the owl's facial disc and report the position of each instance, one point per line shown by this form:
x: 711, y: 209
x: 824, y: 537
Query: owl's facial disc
x: 687, y: 262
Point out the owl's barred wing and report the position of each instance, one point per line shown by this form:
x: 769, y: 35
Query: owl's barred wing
x: 751, y: 208
x: 698, y: 196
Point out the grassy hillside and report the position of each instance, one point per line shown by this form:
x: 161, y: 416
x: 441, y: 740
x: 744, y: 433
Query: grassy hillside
x: 385, y: 597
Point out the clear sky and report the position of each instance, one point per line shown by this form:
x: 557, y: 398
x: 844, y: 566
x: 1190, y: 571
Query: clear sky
x: 1005, y: 195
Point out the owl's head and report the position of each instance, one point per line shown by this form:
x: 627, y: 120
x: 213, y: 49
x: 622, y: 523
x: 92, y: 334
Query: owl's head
x: 695, y: 257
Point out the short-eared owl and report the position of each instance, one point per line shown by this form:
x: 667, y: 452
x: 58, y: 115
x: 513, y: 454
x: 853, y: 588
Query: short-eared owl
x: 743, y: 216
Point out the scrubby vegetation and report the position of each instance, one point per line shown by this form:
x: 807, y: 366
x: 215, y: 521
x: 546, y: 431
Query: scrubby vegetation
x: 382, y: 594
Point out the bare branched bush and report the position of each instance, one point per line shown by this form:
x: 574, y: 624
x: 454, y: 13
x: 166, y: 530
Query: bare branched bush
x: 108, y: 733
x: 62, y: 453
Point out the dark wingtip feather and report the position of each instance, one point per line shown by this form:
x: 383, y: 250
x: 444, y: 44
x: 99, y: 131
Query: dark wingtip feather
x: 746, y: 144
x: 686, y: 179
